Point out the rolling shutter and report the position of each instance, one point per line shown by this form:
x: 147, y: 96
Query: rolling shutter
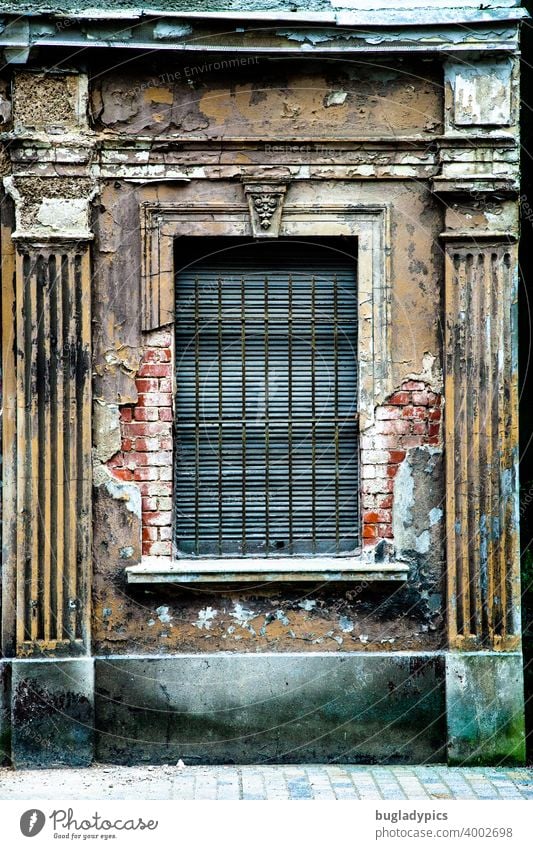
x: 267, y: 443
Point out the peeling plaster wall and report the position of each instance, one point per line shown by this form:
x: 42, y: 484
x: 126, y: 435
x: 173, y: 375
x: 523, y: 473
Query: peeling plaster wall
x: 257, y: 98
x: 373, y: 617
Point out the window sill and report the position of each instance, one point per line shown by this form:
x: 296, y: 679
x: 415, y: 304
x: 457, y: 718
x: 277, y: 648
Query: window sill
x: 161, y: 570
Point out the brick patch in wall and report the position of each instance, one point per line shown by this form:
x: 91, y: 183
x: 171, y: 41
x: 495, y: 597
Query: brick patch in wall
x: 409, y: 418
x: 146, y: 455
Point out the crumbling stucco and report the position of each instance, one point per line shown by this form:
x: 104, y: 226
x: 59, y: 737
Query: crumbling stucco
x: 271, y: 101
x: 60, y: 104
x: 52, y: 207
x: 107, y: 438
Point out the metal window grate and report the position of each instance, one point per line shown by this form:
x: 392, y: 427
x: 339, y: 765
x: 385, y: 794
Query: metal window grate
x: 267, y: 447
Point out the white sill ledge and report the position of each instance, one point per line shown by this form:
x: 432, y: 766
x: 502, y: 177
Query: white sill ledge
x: 161, y: 570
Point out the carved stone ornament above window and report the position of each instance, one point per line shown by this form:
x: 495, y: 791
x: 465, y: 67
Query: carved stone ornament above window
x: 265, y: 202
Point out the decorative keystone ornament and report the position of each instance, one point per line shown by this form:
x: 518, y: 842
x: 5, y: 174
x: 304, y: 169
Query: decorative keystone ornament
x: 265, y: 202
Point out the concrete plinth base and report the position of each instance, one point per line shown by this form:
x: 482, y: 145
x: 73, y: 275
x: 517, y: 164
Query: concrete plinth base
x: 52, y: 712
x: 5, y: 710
x: 393, y: 707
x: 485, y: 708
x: 278, y: 708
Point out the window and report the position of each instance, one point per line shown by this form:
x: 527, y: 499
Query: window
x: 266, y: 404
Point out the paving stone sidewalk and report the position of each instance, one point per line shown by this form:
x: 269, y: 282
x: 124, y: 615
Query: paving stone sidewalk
x: 268, y: 782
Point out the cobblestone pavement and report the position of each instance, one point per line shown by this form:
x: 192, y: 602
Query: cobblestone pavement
x: 268, y: 782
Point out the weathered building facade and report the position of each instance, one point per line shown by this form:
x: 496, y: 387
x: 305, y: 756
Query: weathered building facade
x: 259, y: 358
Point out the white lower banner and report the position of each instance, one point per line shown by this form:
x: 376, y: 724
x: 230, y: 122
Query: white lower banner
x: 235, y: 825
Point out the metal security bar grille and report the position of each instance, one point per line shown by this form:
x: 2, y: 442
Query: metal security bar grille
x: 267, y: 449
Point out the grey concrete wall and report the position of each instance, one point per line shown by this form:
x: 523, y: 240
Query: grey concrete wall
x: 485, y: 708
x: 290, y: 708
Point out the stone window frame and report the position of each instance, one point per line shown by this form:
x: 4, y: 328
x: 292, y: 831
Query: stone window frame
x: 369, y: 225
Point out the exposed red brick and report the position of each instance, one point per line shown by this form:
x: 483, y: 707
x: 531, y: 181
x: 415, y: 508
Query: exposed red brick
x: 154, y: 399
x: 156, y: 428
x: 397, y: 426
x: 151, y: 355
x: 412, y: 441
x: 397, y: 456
x: 137, y: 459
x: 147, y: 384
x: 149, y: 504
x: 145, y: 414
x: 414, y: 412
x: 146, y: 455
x: 123, y: 474
x: 389, y: 412
x: 409, y: 418
x: 155, y: 370
x: 147, y: 474
x: 378, y: 516
x: 156, y: 518
x: 400, y: 398
x: 160, y: 549
x: 150, y: 443
x: 421, y: 398
x: 156, y: 487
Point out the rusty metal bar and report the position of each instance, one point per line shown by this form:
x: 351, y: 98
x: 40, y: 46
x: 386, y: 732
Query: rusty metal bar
x: 197, y: 412
x: 220, y: 417
x: 336, y: 403
x: 290, y: 410
x: 243, y: 408
x: 313, y: 413
x: 267, y: 419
